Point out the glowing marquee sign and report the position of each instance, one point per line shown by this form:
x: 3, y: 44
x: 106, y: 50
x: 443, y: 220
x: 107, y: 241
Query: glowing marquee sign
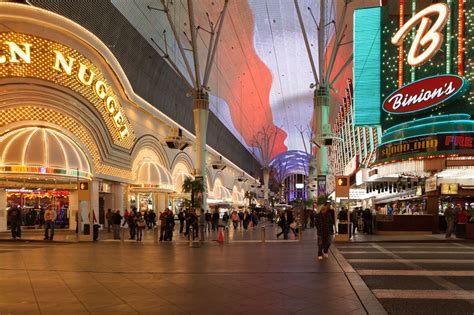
x: 429, y: 38
x: 425, y: 93
x: 23, y: 55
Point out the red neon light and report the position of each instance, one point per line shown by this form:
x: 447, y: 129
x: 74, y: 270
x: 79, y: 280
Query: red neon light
x: 461, y: 38
x: 400, y: 48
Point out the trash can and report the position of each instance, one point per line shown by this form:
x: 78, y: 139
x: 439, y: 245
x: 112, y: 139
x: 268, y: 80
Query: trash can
x: 342, y: 228
x: 95, y: 232
x: 461, y: 231
x: 87, y: 229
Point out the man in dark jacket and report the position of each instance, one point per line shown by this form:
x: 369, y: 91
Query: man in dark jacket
x: 324, y: 223
x: 116, y: 219
x: 181, y: 220
x: 208, y: 218
x: 169, y: 225
x: 163, y: 225
x: 108, y: 217
x: 367, y: 217
x: 282, y: 221
x: 14, y: 216
x: 215, y: 220
x: 132, y: 224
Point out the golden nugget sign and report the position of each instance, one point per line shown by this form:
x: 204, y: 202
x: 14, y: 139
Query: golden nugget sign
x: 23, y: 55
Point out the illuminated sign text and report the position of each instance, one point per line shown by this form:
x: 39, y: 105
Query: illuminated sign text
x: 427, y: 36
x: 26, y: 56
x: 424, y: 94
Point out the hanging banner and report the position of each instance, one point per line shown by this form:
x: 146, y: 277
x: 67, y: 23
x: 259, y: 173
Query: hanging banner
x: 322, y: 185
x: 431, y: 184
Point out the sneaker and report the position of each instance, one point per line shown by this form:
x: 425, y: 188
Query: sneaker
x: 320, y: 257
x: 325, y: 255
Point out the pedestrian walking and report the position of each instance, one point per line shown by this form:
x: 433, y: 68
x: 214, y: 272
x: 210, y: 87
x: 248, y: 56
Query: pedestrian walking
x: 141, y: 224
x: 324, y: 223
x: 49, y: 218
x: 131, y: 223
x: 225, y: 219
x: 283, y: 224
x: 169, y: 225
x: 354, y: 219
x: 215, y: 220
x: 235, y: 220
x: 163, y: 225
x: 108, y: 217
x: 367, y: 218
x: 450, y: 217
x: 208, y: 218
x: 14, y: 216
x: 246, y: 219
x: 116, y: 220
x: 151, y: 219
x: 181, y: 220
x: 125, y: 217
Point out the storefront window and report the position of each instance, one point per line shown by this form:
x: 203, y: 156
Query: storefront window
x: 33, y: 203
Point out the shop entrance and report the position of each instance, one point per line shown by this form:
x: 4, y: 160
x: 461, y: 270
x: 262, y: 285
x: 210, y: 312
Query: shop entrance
x: 34, y: 202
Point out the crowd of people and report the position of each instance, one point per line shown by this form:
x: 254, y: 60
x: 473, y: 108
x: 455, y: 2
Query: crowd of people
x: 457, y: 216
x: 290, y: 221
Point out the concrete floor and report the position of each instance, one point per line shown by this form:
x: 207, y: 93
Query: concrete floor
x: 171, y: 278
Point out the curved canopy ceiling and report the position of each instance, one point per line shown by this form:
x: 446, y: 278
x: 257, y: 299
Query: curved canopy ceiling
x: 35, y: 150
x: 153, y: 175
x: 261, y: 76
x: 290, y: 162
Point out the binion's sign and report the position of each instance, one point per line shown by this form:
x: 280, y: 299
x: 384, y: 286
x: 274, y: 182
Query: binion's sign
x: 428, y: 37
x: 425, y: 93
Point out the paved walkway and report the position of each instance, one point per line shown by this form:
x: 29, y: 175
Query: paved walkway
x: 417, y: 277
x: 172, y: 278
x: 251, y: 234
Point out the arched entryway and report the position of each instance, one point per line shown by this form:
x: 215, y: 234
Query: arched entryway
x: 153, y: 184
x: 40, y: 168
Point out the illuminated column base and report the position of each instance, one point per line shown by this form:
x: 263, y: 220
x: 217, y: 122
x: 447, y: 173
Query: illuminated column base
x: 3, y: 210
x: 161, y: 202
x: 266, y: 178
x: 201, y: 116
x: 73, y: 208
x: 322, y: 127
x: 94, y: 202
x: 117, y: 197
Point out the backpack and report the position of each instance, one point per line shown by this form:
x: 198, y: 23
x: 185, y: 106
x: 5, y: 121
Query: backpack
x: 12, y: 214
x: 141, y: 222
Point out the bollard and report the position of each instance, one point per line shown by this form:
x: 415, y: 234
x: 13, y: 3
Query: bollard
x: 191, y: 235
x: 122, y: 239
x: 300, y: 233
x: 263, y: 233
x: 155, y: 234
x: 226, y: 235
x: 201, y: 231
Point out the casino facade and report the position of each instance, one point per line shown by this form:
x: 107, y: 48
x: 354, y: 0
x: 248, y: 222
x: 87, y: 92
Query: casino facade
x: 75, y: 136
x: 413, y: 93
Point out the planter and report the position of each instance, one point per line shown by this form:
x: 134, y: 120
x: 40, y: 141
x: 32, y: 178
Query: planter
x: 470, y: 230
